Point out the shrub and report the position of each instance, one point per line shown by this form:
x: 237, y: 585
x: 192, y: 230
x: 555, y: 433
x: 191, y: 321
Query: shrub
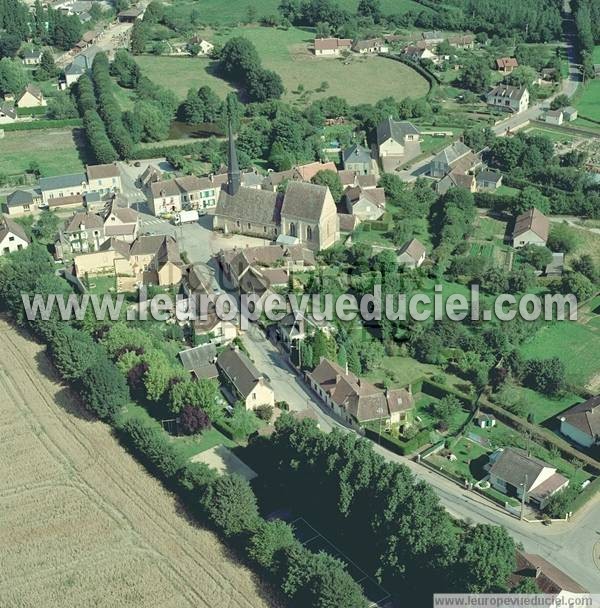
x: 193, y: 420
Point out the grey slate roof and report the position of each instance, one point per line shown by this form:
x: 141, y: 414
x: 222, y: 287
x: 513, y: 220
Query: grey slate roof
x: 396, y: 130
x: 239, y: 369
x: 489, y: 176
x: 18, y: 198
x: 414, y: 248
x: 508, y: 92
x: 357, y: 154
x: 452, y: 153
x: 197, y: 357
x: 304, y: 201
x: 62, y: 181
x: 88, y: 220
x: 8, y: 226
x: 249, y: 205
x: 585, y: 416
x: 513, y: 465
x: 8, y: 110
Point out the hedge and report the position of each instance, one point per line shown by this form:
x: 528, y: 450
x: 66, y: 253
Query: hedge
x: 36, y: 125
x: 431, y: 78
x: 38, y: 111
x: 587, y: 494
x: 396, y: 445
x: 439, y: 391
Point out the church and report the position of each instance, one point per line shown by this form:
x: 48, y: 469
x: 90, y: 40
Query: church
x: 306, y: 214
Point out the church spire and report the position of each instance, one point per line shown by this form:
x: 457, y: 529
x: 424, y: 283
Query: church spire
x: 233, y: 169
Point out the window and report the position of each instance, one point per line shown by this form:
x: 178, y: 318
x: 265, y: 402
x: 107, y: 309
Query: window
x: 25, y: 207
x: 237, y: 223
x: 11, y: 238
x: 292, y: 229
x: 309, y: 233
x: 249, y: 225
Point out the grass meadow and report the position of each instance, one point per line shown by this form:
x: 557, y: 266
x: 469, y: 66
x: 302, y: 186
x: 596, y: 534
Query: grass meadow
x: 358, y: 80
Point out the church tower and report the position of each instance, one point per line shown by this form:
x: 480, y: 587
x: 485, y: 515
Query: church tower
x: 234, y: 176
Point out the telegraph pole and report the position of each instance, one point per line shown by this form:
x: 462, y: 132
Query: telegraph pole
x: 523, y: 497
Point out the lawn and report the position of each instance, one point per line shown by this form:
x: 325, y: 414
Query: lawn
x: 190, y: 446
x: 573, y: 343
x: 553, y: 135
x: 588, y: 102
x: 287, y: 52
x: 401, y: 371
x: 507, y: 191
x: 102, y: 284
x: 236, y: 11
x: 56, y: 151
x: 489, y: 229
x: 587, y: 242
x: 470, y: 458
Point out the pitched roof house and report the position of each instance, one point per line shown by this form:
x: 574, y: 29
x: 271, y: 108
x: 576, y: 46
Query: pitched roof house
x: 397, y: 143
x: 512, y: 471
x: 244, y: 381
x: 8, y: 114
x: 371, y: 45
x: 531, y: 228
x: 412, y: 254
x: 31, y: 98
x: 200, y: 361
x: 356, y: 400
x: 547, y: 577
x: 508, y: 98
x: 358, y: 159
x: 506, y: 64
x: 456, y: 156
x: 12, y: 236
x: 331, y: 46
x: 581, y: 423
x: 366, y: 204
x: 20, y: 202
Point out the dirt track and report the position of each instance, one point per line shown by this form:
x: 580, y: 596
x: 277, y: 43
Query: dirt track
x: 81, y: 522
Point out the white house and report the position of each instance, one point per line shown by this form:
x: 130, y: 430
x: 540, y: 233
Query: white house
x: 508, y: 98
x: 513, y: 472
x: 531, y: 228
x: 581, y: 423
x: 31, y: 98
x: 412, y: 254
x: 554, y: 117
x: 12, y: 236
x: 397, y: 143
x: 8, y: 114
x: 331, y: 46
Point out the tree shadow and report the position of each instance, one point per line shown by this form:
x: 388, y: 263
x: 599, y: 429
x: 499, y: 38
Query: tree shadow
x: 81, y: 144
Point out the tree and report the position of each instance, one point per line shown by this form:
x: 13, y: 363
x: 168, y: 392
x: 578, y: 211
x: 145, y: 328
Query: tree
x: 104, y: 389
x: 526, y: 585
x: 125, y: 69
x: 269, y: 541
x: 562, y: 238
x: 200, y: 106
x: 445, y: 409
x: 476, y: 75
x: 486, y: 560
x: 243, y: 422
x: 197, y: 393
x: 545, y: 375
x: 138, y: 38
x: 586, y: 266
x: 560, y: 101
x: 322, y: 30
x: 561, y: 503
x: 47, y: 68
x: 370, y: 9
x: 12, y: 77
x: 46, y: 227
x: 522, y: 278
x: 9, y: 44
x: 231, y: 505
x: 262, y: 85
x: 535, y: 256
x: 73, y: 352
x: 64, y: 31
x: 155, y: 12
x: 194, y: 420
x: 331, y: 179
x: 577, y: 284
x: 522, y: 76
x: 530, y: 198
x: 62, y: 106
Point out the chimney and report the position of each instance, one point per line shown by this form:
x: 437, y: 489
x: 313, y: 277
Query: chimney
x: 346, y: 368
x: 337, y: 378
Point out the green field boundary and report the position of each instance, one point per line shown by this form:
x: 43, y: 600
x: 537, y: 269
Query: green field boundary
x: 39, y: 125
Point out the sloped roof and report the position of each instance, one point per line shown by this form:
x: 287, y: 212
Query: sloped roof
x: 585, y: 416
x: 249, y: 205
x: 548, y: 578
x: 357, y: 154
x: 308, y: 171
x: 414, y: 248
x: 18, y: 198
x: 239, y: 369
x: 8, y: 110
x: 304, y: 200
x: 533, y: 220
x: 489, y: 176
x: 330, y: 44
x: 197, y: 357
x: 393, y: 129
x: 103, y: 171
x: 89, y: 221
x: 33, y: 90
x: 269, y: 255
x: 506, y: 62
x: 507, y: 91
x: 367, y: 44
x: 70, y: 180
x: 513, y: 465
x: 347, y: 221
x: 9, y: 226
x: 450, y: 154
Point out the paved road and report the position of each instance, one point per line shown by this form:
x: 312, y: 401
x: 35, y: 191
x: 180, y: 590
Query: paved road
x: 574, y: 547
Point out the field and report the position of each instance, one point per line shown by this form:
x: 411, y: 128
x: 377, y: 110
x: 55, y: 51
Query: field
x: 588, y: 102
x: 81, y: 519
x: 572, y: 342
x: 235, y: 11
x: 55, y: 150
x: 552, y: 134
x: 286, y: 52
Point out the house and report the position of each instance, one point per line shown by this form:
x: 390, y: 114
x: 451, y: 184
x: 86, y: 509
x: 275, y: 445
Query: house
x: 508, y: 98
x: 368, y: 204
x: 397, y: 143
x: 557, y: 266
x: 130, y: 15
x: 347, y: 223
x: 547, y: 578
x: 358, y: 159
x: 150, y: 175
x: 570, y: 113
x: 372, y: 45
x: 73, y: 72
x: 66, y: 187
x: 301, y: 173
x: 189, y: 192
x: 153, y: 260
x: 200, y: 361
x: 31, y: 98
x: 456, y: 179
x: 506, y: 65
x: 417, y: 54
x: 554, y: 117
x: 121, y: 223
x: 308, y: 212
x: 513, y: 472
x: 462, y: 41
x: 488, y: 181
x: 32, y: 57
x: 486, y: 421
x: 205, y: 47
x: 356, y: 400
x: 214, y: 330
x: 12, y: 236
x: 8, y: 114
x: 21, y: 202
x: 296, y: 326
x: 243, y: 381
x: 432, y: 38
x: 331, y: 46
x: 581, y: 423
x: 412, y: 254
x: 531, y: 228
x: 103, y: 179
x: 456, y: 156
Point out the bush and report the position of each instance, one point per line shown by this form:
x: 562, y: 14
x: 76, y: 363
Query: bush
x: 193, y: 420
x: 104, y: 389
x: 264, y: 412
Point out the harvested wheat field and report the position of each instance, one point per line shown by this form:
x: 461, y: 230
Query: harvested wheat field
x: 81, y: 522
